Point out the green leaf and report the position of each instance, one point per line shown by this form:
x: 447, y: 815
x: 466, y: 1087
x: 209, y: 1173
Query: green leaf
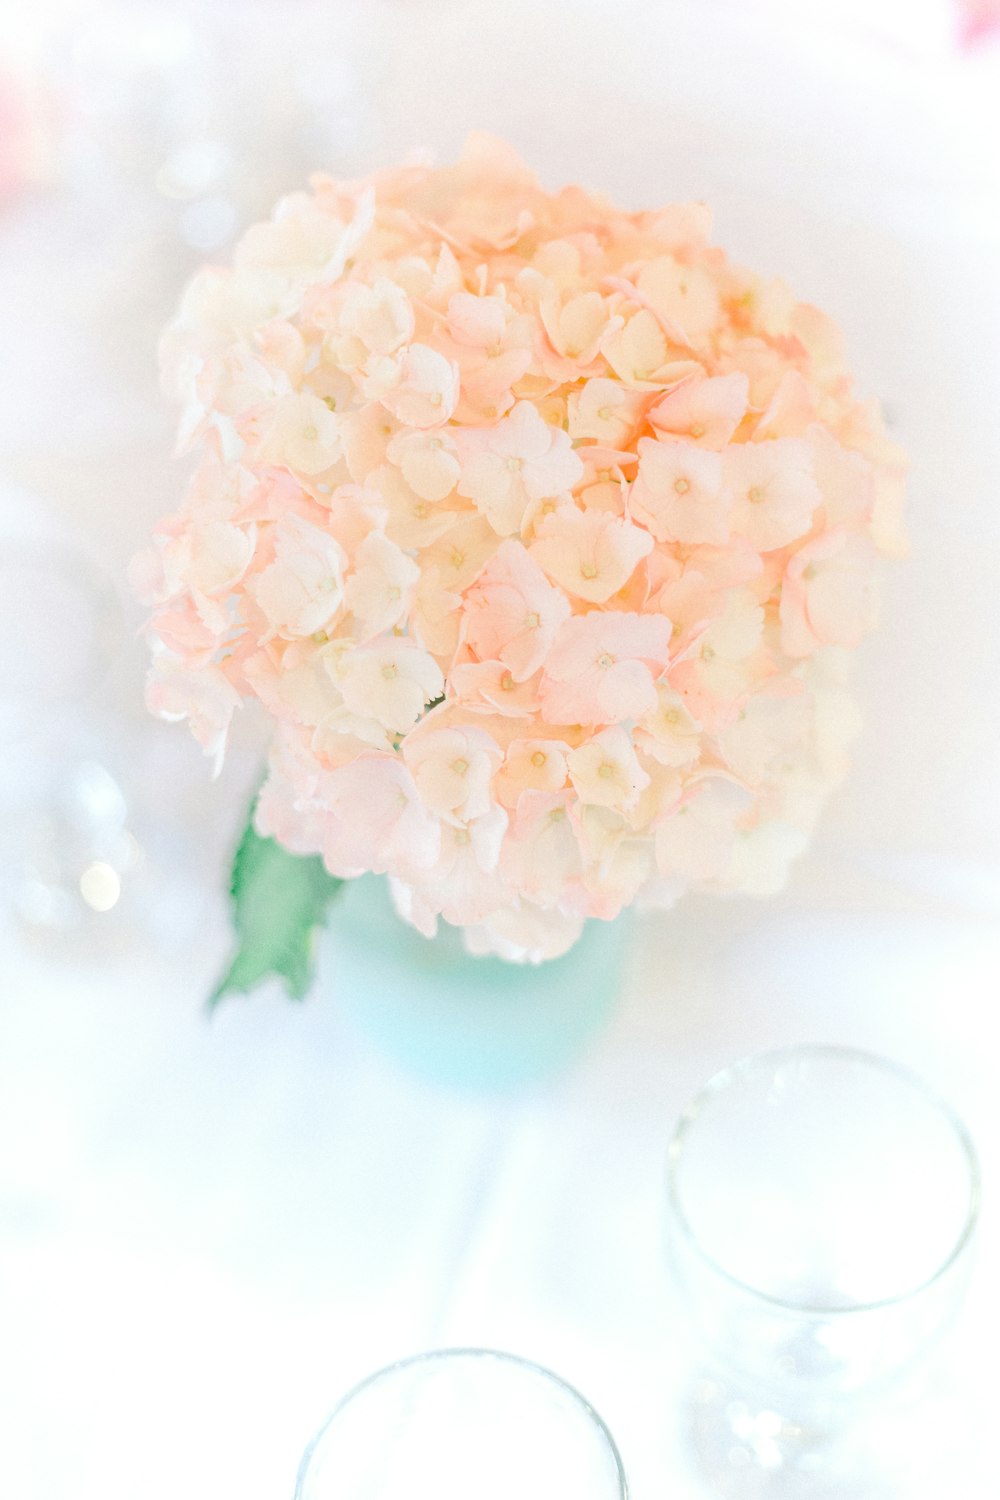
x: 279, y: 901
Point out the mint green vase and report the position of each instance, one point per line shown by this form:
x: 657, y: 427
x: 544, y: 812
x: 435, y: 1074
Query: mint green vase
x: 479, y: 1023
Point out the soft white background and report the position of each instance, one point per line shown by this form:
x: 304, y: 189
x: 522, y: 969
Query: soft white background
x: 208, y: 1231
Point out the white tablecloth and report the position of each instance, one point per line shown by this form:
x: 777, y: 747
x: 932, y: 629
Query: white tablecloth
x: 209, y: 1231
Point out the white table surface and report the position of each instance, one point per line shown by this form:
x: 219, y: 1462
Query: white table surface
x: 208, y: 1231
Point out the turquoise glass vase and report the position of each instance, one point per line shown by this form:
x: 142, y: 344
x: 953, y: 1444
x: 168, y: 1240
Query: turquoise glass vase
x: 453, y: 1018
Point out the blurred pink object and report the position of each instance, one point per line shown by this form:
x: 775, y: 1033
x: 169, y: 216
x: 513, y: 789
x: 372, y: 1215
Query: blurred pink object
x: 21, y: 134
x: 978, y: 19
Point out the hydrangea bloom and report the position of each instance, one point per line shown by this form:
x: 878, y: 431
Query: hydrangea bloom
x: 541, y: 532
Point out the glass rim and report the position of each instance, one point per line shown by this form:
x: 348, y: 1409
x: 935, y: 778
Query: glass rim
x: 757, y: 1061
x: 473, y: 1352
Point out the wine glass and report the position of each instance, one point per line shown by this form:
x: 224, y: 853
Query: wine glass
x: 454, y: 1424
x: 821, y: 1208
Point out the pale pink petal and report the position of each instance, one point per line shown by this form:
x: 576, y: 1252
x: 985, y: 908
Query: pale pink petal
x: 301, y: 433
x: 426, y: 392
x: 590, y: 553
x: 696, y: 840
x: 576, y: 327
x: 846, y: 480
x: 790, y: 411
x: 392, y: 681
x: 772, y: 491
x: 829, y: 597
x: 512, y: 613
x: 428, y: 462
x: 411, y: 521
x: 496, y: 486
x: 678, y: 492
x: 380, y: 316
x: 524, y: 933
x: 380, y: 590
x: 769, y: 732
x: 490, y: 687
x: 541, y: 857
x: 604, y: 410
x: 201, y: 695
x: 601, y: 668
x: 301, y: 592
x: 395, y: 834
x: 605, y: 771
x: 638, y: 352
x: 703, y: 411
x: 532, y: 765
x: 670, y: 734
x: 477, y: 321
x: 453, y: 770
x: 518, y: 460
x: 683, y: 295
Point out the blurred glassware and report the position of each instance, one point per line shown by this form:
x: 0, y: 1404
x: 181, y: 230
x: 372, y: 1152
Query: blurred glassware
x: 185, y: 122
x: 60, y: 622
x: 463, y: 1424
x: 73, y: 848
x: 67, y: 844
x: 821, y: 1207
x: 219, y: 98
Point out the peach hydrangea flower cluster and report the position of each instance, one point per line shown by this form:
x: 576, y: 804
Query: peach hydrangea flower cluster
x: 541, y: 532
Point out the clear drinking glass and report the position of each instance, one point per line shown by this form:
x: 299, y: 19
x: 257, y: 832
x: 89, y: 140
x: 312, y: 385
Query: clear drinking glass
x: 821, y: 1208
x: 462, y: 1424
